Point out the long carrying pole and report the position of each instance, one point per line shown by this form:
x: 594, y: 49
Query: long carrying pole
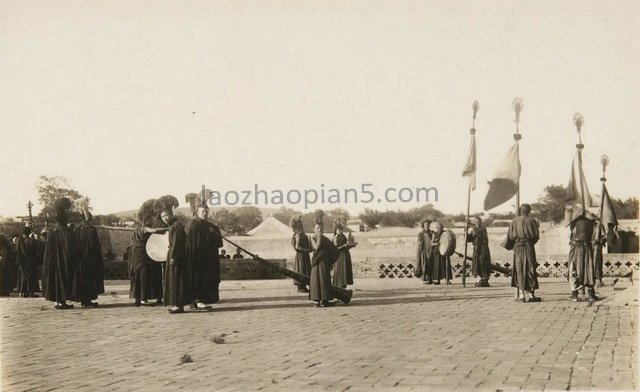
x: 343, y: 295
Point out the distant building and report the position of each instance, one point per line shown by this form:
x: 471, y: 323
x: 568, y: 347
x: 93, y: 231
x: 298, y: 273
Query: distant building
x: 270, y: 227
x: 357, y: 225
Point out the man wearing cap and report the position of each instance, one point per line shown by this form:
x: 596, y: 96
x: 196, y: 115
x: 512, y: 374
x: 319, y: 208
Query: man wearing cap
x: 581, y: 263
x: 203, y: 241
x: 522, y: 236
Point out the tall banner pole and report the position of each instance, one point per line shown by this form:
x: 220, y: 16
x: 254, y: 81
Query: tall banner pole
x: 578, y: 121
x: 518, y: 106
x: 472, y: 132
x: 604, y: 160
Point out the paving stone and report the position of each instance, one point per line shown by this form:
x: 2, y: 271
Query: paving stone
x: 395, y: 335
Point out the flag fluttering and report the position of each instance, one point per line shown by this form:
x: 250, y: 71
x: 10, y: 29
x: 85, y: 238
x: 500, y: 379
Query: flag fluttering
x: 577, y: 196
x: 506, y: 179
x: 469, y: 170
x: 608, y: 213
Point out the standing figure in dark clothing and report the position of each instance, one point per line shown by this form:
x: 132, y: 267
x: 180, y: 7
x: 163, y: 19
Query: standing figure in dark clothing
x: 441, y: 264
x: 343, y: 272
x: 302, y: 245
x: 177, y: 292
x: 7, y: 266
x: 145, y: 282
x: 481, y: 264
x: 325, y: 254
x: 203, y: 241
x: 27, y: 260
x: 522, y: 237
x: 582, y: 272
x: 424, y: 268
x: 60, y: 258
x: 90, y: 274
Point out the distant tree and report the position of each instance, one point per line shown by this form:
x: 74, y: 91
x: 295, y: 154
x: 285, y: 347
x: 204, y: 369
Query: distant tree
x: 336, y: 212
x: 51, y: 189
x: 227, y: 221
x: 248, y: 217
x: 371, y: 218
x: 626, y: 209
x: 284, y: 214
x: 106, y: 220
x: 551, y: 206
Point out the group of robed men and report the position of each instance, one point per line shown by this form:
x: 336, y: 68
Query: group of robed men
x: 327, y: 256
x: 523, y: 234
x: 192, y: 268
x: 72, y: 263
x: 20, y: 260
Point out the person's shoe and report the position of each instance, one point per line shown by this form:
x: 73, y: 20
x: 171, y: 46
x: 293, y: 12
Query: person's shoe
x: 176, y: 310
x: 436, y: 282
x: 193, y: 306
x: 146, y: 303
x: 65, y: 306
x: 574, y: 296
x: 316, y: 304
x: 202, y: 306
x: 159, y: 302
x: 326, y: 304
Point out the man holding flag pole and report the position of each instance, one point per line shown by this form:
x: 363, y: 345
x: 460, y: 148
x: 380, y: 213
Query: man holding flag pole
x: 469, y: 173
x: 523, y: 231
x: 608, y: 221
x: 582, y: 271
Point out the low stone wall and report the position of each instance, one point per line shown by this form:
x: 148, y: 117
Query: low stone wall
x: 615, y: 264
x: 230, y: 269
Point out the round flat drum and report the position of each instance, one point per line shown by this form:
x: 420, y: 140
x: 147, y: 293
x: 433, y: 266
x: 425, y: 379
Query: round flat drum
x: 447, y: 243
x: 158, y: 247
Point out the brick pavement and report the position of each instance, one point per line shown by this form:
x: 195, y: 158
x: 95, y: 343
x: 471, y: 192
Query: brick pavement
x: 396, y: 335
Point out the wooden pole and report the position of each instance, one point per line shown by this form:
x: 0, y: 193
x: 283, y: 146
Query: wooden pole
x: 605, y: 161
x: 466, y: 231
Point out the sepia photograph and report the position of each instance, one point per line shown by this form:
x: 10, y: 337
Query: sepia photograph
x: 282, y: 195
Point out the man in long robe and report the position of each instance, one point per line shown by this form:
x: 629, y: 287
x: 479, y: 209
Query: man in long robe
x: 177, y: 292
x: 582, y: 271
x: 27, y: 261
x: 522, y: 236
x: 7, y: 266
x: 90, y: 263
x: 325, y: 254
x: 203, y: 241
x: 481, y: 263
x: 424, y: 262
x: 60, y: 259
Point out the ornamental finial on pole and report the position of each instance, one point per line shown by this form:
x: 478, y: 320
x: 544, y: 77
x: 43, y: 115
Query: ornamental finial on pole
x: 475, y: 106
x: 604, y: 160
x: 518, y: 106
x: 578, y: 121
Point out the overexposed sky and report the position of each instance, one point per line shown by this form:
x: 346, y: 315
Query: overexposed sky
x: 135, y: 99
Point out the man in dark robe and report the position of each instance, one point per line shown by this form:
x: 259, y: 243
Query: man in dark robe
x: 582, y: 272
x: 481, y: 263
x: 522, y: 237
x: 90, y: 274
x: 60, y: 258
x: 7, y: 266
x: 302, y: 245
x: 177, y: 292
x: 325, y: 254
x: 27, y: 260
x: 424, y: 266
x: 203, y: 241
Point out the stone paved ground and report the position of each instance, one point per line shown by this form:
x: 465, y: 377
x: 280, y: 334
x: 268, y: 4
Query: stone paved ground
x: 395, y: 335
